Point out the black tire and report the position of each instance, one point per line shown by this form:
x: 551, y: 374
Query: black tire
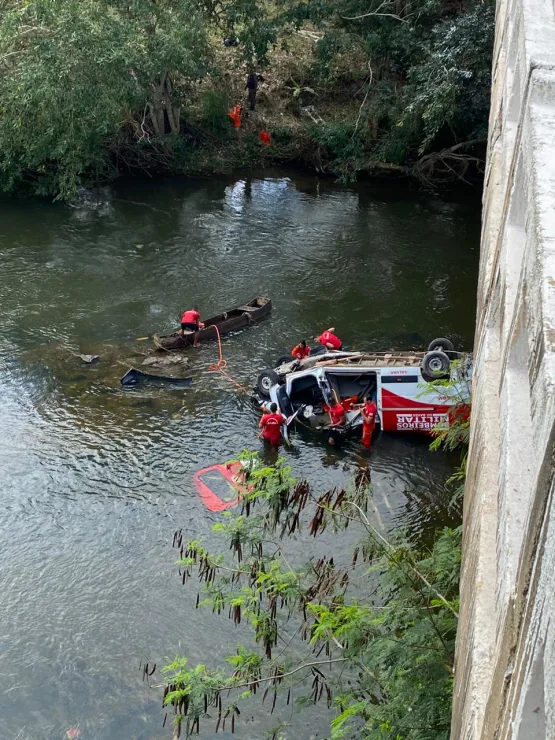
x: 444, y: 345
x: 265, y: 381
x: 436, y: 366
x: 283, y: 359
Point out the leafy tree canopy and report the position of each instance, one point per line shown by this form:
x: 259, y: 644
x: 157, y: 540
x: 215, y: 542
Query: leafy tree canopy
x: 85, y: 84
x: 72, y: 72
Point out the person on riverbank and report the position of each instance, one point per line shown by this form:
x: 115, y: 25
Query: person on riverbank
x: 300, y: 351
x: 329, y: 340
x: 235, y: 114
x: 271, y: 424
x: 369, y: 411
x: 252, y: 86
x: 190, y: 321
x: 264, y: 137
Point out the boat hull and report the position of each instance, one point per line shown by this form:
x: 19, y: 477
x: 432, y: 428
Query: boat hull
x: 224, y: 323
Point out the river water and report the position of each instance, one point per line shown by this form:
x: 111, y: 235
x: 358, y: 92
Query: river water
x: 95, y: 479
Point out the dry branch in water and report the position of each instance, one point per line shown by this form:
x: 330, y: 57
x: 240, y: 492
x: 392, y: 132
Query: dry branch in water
x: 448, y: 165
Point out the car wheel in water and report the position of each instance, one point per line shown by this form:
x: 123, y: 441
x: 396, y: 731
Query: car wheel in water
x: 283, y: 360
x: 265, y: 381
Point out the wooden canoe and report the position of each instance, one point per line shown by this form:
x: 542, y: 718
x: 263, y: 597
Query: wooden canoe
x: 235, y: 318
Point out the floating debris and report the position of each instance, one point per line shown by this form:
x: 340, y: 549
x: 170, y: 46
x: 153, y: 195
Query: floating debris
x: 134, y: 376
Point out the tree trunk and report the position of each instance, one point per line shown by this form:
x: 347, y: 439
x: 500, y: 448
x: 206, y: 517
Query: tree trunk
x: 157, y: 107
x: 174, y: 117
x: 161, y: 106
x: 173, y: 111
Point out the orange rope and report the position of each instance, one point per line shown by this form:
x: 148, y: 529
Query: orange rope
x: 221, y: 362
x: 221, y: 365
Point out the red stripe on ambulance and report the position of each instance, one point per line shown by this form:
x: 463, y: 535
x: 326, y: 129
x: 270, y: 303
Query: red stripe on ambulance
x: 401, y: 414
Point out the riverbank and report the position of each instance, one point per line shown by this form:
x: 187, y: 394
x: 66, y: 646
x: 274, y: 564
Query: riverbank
x: 324, y: 127
x: 199, y: 152
x: 395, y: 92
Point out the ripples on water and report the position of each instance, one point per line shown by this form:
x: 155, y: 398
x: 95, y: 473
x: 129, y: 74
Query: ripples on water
x: 96, y: 478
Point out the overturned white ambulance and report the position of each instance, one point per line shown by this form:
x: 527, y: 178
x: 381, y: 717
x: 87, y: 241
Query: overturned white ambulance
x: 403, y: 385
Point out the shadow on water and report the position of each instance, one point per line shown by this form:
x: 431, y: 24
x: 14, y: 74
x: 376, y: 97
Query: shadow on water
x: 96, y: 478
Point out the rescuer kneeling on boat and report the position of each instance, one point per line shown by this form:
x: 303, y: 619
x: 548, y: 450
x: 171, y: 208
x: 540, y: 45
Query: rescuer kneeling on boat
x: 190, y: 321
x: 369, y: 411
x: 300, y: 351
x: 337, y: 419
x: 271, y: 425
x: 329, y: 340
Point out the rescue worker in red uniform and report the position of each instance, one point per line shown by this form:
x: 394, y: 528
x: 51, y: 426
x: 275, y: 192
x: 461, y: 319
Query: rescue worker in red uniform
x: 235, y: 114
x: 369, y: 411
x: 300, y: 351
x: 329, y: 340
x: 190, y: 321
x: 337, y: 419
x: 264, y: 137
x: 271, y: 425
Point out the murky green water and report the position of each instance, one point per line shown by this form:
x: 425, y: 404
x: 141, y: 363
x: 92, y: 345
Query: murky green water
x: 95, y: 479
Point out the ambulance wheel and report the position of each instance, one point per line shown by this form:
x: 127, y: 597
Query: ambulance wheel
x: 265, y: 381
x: 444, y: 345
x: 436, y: 366
x: 283, y: 360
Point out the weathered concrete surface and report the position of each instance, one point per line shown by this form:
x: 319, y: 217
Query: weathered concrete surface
x: 505, y: 663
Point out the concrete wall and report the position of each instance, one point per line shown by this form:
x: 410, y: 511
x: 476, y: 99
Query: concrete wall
x: 505, y: 663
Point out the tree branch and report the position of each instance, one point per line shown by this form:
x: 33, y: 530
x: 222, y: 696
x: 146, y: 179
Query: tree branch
x: 284, y: 675
x: 230, y: 687
x: 375, y: 13
x: 364, y: 101
x: 387, y: 546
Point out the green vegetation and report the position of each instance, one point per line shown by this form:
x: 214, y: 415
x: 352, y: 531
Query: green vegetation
x: 91, y: 88
x: 374, y: 637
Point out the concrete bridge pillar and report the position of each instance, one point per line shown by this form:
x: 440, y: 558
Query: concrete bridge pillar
x: 505, y: 661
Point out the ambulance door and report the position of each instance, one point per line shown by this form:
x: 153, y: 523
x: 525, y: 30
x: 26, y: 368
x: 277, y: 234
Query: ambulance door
x: 325, y: 388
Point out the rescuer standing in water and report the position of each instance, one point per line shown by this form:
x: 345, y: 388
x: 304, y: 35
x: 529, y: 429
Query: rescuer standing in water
x: 271, y: 425
x: 337, y: 419
x: 369, y: 411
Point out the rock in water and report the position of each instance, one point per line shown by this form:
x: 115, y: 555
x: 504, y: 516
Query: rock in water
x: 89, y: 359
